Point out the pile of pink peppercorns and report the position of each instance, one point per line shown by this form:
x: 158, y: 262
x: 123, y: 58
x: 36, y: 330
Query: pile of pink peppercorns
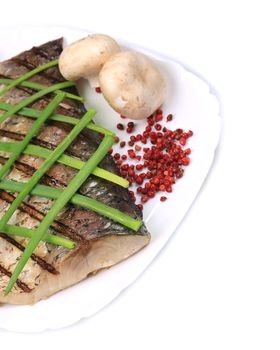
x: 154, y: 159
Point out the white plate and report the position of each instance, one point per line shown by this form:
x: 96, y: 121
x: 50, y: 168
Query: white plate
x: 195, y: 108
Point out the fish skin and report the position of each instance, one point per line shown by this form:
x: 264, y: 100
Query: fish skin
x: 100, y: 242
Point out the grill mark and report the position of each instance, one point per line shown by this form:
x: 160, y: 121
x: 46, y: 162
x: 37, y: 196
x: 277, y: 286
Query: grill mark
x: 2, y: 76
x: 24, y: 287
x: 35, y: 141
x: 29, y: 170
x: 25, y: 89
x: 19, y: 87
x: 36, y: 214
x: 44, y: 144
x: 63, y: 105
x: 39, y: 51
x: 31, y: 66
x: 41, y: 262
x: 23, y: 63
x: 11, y: 135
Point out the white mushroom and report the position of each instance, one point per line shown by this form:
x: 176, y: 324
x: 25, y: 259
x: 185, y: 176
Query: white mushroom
x: 132, y: 84
x: 84, y: 58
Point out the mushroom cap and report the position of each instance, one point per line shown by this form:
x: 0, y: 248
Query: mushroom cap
x: 132, y: 84
x: 84, y: 58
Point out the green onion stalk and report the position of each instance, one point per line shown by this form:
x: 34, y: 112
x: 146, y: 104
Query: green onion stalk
x: 38, y: 87
x: 34, y: 113
x: 14, y: 109
x: 39, y: 173
x: 62, y: 200
x: 77, y: 199
x: 75, y: 163
x: 28, y: 75
x: 32, y: 132
x: 13, y: 230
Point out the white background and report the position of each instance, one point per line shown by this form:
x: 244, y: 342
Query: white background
x: 216, y: 284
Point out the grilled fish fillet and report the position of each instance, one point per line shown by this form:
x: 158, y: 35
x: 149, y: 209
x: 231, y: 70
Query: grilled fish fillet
x: 101, y: 242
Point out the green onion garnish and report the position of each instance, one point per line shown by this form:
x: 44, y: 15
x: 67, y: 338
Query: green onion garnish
x: 38, y: 87
x: 38, y: 151
x: 45, y: 166
x: 78, y: 199
x: 34, y: 113
x: 13, y: 230
x: 28, y: 75
x: 34, y: 98
x: 32, y: 132
x: 63, y: 199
